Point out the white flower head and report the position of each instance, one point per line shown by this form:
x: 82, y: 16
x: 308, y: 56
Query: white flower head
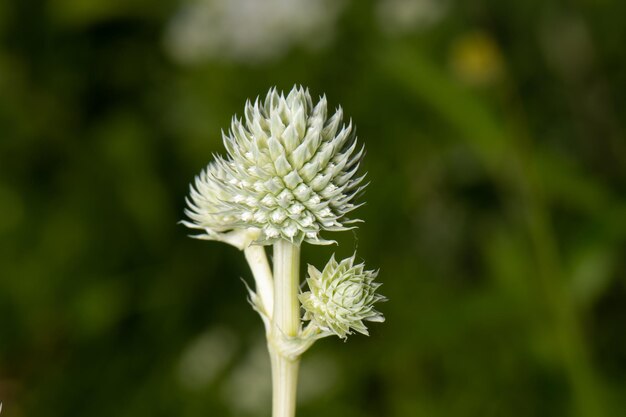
x: 290, y: 173
x: 341, y: 297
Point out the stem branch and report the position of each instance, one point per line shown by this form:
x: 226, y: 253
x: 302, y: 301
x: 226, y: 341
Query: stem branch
x: 255, y: 255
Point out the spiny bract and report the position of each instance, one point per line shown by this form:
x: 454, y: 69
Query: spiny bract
x: 341, y: 297
x: 290, y: 173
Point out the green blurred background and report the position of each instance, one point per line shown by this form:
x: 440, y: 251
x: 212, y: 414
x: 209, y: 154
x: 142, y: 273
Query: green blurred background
x: 496, y: 210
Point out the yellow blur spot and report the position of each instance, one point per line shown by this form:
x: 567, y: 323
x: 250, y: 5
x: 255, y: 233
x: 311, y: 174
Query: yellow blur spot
x: 475, y: 59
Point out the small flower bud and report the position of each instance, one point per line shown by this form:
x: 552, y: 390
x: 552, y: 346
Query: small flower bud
x: 341, y: 297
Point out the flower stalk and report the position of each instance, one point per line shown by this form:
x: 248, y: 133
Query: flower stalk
x: 286, y: 324
x: 290, y: 175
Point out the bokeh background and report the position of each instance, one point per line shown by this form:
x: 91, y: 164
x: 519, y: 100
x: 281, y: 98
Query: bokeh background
x: 496, y: 211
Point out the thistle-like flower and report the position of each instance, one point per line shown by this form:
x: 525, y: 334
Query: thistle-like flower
x: 290, y: 173
x: 341, y: 297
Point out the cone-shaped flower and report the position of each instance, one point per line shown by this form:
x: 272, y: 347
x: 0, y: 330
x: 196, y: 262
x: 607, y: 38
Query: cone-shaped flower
x: 341, y: 297
x: 290, y: 173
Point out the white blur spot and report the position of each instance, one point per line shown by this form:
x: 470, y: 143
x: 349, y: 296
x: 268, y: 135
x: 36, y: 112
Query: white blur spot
x: 205, y: 358
x: 248, y: 30
x: 402, y: 16
x: 248, y: 389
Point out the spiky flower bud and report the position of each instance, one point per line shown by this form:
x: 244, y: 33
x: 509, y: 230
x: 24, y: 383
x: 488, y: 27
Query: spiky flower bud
x: 341, y: 297
x: 290, y: 173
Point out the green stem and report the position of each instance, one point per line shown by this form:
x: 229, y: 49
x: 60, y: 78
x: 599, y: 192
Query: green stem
x: 285, y: 323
